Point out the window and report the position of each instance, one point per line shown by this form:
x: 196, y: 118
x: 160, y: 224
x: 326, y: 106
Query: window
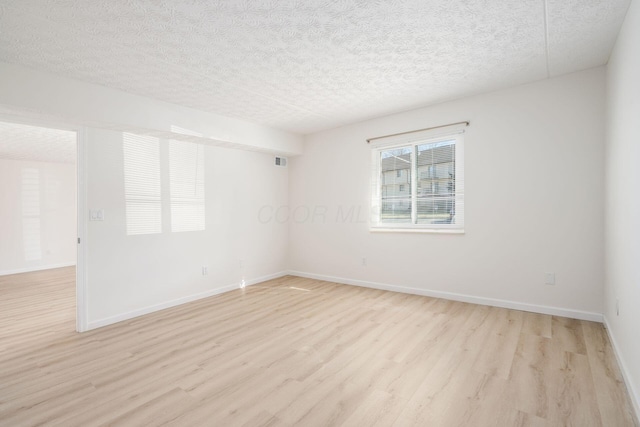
x: 398, y: 173
x: 186, y: 172
x: 142, y: 184
x: 31, y: 214
x: 434, y: 199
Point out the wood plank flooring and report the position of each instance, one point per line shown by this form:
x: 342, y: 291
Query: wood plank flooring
x: 301, y: 352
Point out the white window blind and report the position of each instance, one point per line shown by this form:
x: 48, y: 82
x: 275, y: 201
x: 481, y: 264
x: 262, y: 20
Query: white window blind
x: 31, y: 214
x: 418, y: 181
x: 186, y: 172
x: 142, y: 184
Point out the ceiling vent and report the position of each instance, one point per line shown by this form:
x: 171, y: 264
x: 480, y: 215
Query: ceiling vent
x: 281, y: 161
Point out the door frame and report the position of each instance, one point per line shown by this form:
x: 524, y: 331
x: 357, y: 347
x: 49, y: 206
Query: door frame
x: 82, y: 210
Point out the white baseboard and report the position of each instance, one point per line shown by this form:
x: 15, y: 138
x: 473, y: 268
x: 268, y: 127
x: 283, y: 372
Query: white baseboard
x: 178, y: 301
x: 38, y: 268
x: 634, y: 395
x: 555, y: 311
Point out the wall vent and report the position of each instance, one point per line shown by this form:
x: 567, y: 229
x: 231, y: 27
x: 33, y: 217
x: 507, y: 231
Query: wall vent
x: 281, y: 161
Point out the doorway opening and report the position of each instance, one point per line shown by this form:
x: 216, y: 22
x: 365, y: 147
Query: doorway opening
x: 39, y: 253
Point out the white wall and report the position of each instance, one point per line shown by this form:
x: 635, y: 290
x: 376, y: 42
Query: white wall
x: 37, y: 215
x: 130, y: 275
x: 622, y: 229
x: 533, y: 202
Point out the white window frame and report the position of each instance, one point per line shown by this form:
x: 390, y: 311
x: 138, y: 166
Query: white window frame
x: 418, y: 138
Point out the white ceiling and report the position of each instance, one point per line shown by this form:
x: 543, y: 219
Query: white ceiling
x: 308, y: 65
x: 23, y: 142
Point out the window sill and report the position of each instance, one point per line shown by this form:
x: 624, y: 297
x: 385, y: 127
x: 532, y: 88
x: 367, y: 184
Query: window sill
x: 415, y: 230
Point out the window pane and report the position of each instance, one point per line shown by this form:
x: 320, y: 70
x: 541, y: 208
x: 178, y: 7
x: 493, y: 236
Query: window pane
x: 435, y: 202
x: 186, y: 171
x: 395, y: 185
x: 31, y: 214
x: 142, y: 184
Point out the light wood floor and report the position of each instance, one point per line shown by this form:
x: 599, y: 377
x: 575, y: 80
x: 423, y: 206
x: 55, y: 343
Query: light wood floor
x: 301, y: 352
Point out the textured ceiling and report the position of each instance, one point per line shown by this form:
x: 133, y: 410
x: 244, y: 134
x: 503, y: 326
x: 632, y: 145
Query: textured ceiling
x: 308, y: 65
x: 23, y: 142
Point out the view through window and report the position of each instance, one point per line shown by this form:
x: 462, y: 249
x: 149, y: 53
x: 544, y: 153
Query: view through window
x: 420, y: 185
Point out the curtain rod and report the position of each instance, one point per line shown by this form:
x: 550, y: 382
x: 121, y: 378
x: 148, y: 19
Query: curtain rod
x: 466, y: 123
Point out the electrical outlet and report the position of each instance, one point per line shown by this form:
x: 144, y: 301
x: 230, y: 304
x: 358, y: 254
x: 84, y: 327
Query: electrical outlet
x: 617, y: 307
x: 550, y: 279
x: 205, y: 271
x: 364, y: 262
